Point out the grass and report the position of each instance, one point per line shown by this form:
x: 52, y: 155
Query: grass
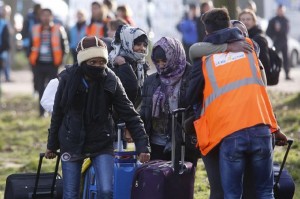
x: 24, y: 135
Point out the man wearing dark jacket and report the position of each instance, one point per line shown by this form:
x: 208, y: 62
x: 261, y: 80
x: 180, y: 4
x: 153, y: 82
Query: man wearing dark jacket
x: 82, y: 124
x: 278, y: 29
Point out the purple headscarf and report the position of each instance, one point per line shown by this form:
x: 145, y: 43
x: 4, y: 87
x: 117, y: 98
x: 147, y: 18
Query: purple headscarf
x: 171, y: 74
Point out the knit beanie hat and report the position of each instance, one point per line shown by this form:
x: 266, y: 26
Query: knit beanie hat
x: 142, y: 38
x: 159, y: 53
x: 91, y: 47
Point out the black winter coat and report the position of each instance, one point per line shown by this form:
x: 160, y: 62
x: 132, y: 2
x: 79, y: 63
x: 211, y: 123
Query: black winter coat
x: 150, y: 86
x: 128, y: 75
x: 256, y: 34
x: 68, y: 132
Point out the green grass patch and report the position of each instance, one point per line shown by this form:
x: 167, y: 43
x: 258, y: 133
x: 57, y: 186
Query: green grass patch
x: 24, y: 136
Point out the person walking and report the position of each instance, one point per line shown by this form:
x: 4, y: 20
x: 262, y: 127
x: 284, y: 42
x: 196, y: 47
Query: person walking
x: 98, y: 25
x: 163, y: 92
x: 227, y: 116
x: 4, y: 41
x: 204, y: 7
x: 82, y: 124
x: 278, y: 30
x: 77, y: 32
x: 188, y: 28
x: 49, y: 43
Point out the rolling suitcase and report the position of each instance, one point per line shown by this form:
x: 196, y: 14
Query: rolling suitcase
x: 161, y: 179
x: 34, y: 185
x: 124, y: 168
x: 284, y: 186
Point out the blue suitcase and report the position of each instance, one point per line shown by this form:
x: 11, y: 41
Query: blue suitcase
x: 124, y: 169
x: 89, y: 187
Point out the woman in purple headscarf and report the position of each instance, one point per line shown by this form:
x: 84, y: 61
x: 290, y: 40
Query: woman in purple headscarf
x: 163, y: 92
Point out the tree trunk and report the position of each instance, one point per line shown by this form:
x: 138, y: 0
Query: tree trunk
x: 231, y: 5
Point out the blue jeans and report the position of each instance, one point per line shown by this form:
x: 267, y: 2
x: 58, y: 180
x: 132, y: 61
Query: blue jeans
x: 254, y: 146
x: 104, y: 167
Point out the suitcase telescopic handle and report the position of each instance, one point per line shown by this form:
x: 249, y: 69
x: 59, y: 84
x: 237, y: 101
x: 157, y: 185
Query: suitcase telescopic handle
x: 42, y: 155
x: 175, y: 163
x: 121, y: 127
x: 289, y: 142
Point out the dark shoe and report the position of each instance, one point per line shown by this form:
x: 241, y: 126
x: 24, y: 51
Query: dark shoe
x: 288, y: 78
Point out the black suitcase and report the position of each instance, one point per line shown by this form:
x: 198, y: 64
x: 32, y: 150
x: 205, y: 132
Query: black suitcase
x: 161, y: 179
x: 34, y: 185
x: 284, y: 187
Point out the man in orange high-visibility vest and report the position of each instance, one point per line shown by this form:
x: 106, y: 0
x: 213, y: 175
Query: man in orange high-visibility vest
x: 48, y: 45
x: 98, y: 25
x: 236, y: 114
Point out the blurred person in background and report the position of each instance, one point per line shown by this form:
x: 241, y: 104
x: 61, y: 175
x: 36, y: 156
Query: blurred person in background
x: 111, y: 5
x: 99, y: 19
x: 251, y: 5
x: 4, y: 39
x: 77, y: 32
x: 248, y: 18
x: 48, y: 45
x: 112, y: 27
x: 31, y: 19
x: 188, y: 28
x: 204, y: 7
x: 6, y: 54
x: 124, y: 12
x: 278, y: 30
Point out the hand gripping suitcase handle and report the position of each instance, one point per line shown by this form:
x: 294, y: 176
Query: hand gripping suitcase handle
x: 42, y: 155
x: 289, y: 142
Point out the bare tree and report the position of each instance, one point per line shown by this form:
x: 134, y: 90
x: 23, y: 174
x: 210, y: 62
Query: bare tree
x: 231, y: 5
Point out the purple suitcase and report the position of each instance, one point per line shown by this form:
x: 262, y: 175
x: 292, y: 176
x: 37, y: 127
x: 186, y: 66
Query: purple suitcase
x: 161, y: 179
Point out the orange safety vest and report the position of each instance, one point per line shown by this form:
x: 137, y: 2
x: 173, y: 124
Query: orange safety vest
x: 56, y: 47
x: 95, y: 29
x: 234, y: 98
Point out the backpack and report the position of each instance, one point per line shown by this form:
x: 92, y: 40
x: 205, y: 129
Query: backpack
x: 273, y: 71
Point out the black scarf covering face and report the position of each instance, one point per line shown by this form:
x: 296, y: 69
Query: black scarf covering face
x: 93, y: 86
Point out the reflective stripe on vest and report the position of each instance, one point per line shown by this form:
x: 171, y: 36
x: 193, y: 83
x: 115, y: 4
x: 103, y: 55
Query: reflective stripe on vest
x: 231, y: 86
x: 234, y: 98
x: 56, y: 47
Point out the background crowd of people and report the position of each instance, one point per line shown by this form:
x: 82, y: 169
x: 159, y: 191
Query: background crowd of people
x: 108, y: 81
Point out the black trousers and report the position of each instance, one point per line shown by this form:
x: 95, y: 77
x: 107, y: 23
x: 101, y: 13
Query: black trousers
x: 282, y: 46
x: 43, y: 74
